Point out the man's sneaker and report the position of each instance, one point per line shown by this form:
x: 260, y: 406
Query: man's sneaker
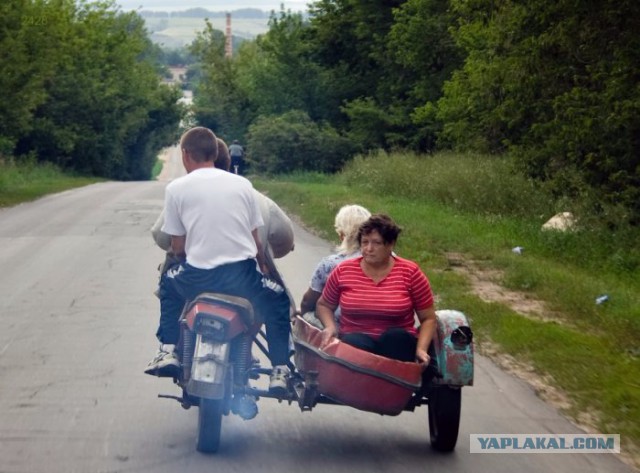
x: 165, y: 364
x: 278, y: 380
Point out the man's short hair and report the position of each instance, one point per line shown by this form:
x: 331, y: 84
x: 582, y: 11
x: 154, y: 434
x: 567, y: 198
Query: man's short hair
x: 201, y: 144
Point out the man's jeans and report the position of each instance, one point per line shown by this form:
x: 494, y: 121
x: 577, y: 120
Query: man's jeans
x: 183, y: 283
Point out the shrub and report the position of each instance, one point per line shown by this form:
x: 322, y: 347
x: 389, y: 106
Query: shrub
x: 293, y: 142
x: 467, y: 182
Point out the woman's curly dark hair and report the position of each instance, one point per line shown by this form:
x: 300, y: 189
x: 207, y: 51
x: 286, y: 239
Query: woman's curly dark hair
x: 384, y: 225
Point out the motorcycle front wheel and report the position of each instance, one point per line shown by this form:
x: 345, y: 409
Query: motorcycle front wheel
x: 209, y: 425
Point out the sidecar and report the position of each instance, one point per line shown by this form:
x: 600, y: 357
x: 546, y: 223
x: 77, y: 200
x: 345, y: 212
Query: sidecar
x: 342, y: 374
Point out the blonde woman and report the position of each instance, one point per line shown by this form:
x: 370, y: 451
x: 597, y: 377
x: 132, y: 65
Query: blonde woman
x: 347, y: 224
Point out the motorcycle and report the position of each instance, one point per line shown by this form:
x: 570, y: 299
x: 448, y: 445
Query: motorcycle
x: 218, y: 332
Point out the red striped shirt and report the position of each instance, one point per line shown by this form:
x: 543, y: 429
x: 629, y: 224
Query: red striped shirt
x: 370, y: 308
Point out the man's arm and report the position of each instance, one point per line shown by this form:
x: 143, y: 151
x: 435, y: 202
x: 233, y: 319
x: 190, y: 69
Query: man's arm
x: 178, y: 245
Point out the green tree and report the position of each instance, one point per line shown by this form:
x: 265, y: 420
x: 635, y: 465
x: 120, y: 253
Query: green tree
x: 278, y: 73
x: 30, y: 32
x: 220, y: 103
x: 557, y: 84
x: 425, y: 55
x: 349, y: 41
x: 293, y: 142
x: 388, y: 61
x: 103, y: 97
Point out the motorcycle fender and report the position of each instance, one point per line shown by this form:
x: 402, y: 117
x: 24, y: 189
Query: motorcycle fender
x: 209, y: 369
x: 455, y: 360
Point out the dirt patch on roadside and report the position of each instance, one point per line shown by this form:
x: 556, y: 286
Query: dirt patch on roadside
x: 485, y: 284
x: 545, y: 390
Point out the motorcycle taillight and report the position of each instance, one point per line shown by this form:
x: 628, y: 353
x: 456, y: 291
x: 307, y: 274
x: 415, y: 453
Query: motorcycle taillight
x: 211, y: 327
x: 213, y: 320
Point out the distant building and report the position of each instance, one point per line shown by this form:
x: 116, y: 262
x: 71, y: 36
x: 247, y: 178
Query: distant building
x: 177, y: 76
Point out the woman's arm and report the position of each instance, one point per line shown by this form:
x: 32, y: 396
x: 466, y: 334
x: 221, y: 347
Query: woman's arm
x: 161, y: 238
x: 427, y: 319
x: 260, y: 257
x: 324, y: 312
x: 309, y: 300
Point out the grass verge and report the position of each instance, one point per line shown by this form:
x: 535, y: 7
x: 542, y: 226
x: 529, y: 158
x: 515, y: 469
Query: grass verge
x: 25, y: 182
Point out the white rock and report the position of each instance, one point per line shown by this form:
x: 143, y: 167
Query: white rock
x: 563, y: 221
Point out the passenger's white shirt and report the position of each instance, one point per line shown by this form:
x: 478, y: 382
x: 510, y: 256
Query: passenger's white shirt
x: 217, y: 212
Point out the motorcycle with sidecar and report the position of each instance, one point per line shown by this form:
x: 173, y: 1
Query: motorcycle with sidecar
x: 218, y: 333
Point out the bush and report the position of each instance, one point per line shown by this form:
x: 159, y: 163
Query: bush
x: 467, y: 182
x: 293, y: 142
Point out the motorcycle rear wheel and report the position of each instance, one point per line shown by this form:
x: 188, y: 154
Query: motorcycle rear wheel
x: 209, y: 425
x: 444, y: 417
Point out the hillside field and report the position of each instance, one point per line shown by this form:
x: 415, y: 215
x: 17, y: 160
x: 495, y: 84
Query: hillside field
x: 177, y: 31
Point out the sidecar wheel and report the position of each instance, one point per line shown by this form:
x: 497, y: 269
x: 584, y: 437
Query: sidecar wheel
x: 209, y: 425
x: 444, y: 417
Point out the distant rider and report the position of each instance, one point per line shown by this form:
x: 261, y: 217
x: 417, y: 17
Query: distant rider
x: 236, y: 151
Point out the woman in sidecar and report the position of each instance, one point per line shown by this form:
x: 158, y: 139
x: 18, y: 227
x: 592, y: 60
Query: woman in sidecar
x: 378, y: 294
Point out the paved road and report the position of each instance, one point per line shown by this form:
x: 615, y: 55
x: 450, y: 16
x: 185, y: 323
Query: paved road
x: 78, y: 316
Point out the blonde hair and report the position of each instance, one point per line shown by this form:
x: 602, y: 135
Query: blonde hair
x: 347, y: 224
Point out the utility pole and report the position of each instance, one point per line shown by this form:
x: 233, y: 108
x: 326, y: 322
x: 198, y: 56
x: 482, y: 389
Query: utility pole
x: 228, y: 46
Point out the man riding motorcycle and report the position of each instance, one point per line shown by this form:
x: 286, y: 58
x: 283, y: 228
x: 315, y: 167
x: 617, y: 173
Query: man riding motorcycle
x: 213, y: 218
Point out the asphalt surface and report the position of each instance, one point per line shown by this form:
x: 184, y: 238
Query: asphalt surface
x: 78, y: 317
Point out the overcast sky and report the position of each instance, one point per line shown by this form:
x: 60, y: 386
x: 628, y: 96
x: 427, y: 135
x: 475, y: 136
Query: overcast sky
x: 211, y: 5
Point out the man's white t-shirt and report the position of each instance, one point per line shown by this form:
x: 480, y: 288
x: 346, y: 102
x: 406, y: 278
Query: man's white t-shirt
x: 217, y: 211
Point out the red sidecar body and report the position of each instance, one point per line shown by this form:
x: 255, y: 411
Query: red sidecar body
x: 355, y: 377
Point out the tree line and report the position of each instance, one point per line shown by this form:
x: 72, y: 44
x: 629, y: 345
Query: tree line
x: 81, y: 89
x: 553, y: 85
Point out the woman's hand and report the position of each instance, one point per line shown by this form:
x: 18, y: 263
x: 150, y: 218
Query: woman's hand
x: 427, y: 319
x: 324, y: 312
x: 422, y: 357
x: 328, y: 334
